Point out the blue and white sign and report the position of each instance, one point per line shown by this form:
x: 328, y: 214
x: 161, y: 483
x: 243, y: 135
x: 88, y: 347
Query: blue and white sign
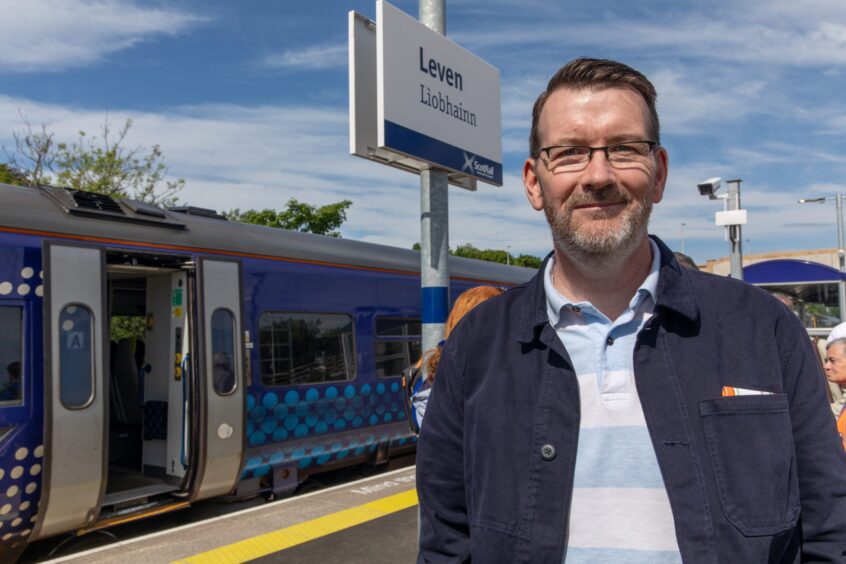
x: 436, y: 101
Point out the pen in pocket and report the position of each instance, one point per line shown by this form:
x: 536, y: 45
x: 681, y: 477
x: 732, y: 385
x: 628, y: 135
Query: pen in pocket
x: 729, y: 391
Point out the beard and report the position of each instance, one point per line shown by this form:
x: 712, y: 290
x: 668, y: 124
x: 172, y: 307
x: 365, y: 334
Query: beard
x: 605, y: 236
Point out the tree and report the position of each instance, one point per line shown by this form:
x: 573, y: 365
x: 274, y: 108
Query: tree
x: 34, y: 154
x: 298, y: 216
x: 10, y: 175
x: 102, y: 164
x: 492, y: 255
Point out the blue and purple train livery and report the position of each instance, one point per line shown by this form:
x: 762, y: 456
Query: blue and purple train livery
x: 152, y: 358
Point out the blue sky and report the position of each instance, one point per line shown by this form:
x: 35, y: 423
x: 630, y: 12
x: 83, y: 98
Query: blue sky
x: 248, y: 101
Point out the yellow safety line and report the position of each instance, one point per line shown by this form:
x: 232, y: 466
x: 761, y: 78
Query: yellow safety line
x: 269, y: 543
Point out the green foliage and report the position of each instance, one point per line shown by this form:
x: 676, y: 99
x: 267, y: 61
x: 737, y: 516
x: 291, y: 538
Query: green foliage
x: 102, y: 164
x: 106, y: 166
x: 126, y: 327
x: 298, y: 216
x: 492, y: 255
x: 9, y: 175
x: 528, y: 261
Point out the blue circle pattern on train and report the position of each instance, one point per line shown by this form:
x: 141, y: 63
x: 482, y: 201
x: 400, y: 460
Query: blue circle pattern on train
x: 296, y: 416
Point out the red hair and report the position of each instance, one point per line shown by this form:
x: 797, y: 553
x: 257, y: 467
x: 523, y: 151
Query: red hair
x: 468, y: 300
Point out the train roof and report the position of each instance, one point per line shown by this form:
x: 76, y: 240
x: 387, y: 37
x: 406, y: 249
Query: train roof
x: 60, y: 212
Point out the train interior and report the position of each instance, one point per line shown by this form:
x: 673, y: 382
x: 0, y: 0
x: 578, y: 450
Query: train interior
x: 148, y: 310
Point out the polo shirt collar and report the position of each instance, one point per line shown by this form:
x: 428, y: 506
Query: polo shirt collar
x: 556, y: 301
x: 671, y: 288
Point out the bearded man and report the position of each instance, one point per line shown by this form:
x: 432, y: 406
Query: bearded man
x: 618, y: 407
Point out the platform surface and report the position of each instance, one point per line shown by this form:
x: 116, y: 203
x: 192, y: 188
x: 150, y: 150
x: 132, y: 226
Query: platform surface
x: 371, y: 520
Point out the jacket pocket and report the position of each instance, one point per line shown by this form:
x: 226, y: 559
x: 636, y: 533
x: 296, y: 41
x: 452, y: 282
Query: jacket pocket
x: 750, y: 444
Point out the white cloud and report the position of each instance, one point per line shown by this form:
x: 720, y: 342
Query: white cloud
x: 259, y: 157
x: 754, y: 33
x: 310, y: 58
x: 39, y: 35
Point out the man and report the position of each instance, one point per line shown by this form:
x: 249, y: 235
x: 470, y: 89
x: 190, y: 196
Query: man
x: 839, y: 332
x: 835, y: 371
x: 582, y: 416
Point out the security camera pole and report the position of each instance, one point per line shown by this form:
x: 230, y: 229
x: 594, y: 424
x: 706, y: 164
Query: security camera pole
x: 732, y: 217
x: 434, y: 220
x: 734, y: 231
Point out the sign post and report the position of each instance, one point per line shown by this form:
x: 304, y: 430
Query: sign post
x: 434, y: 217
x: 421, y: 103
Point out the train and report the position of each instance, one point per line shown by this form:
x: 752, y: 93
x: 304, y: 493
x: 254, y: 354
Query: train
x: 151, y: 358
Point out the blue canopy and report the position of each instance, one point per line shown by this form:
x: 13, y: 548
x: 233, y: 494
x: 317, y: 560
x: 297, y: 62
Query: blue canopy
x: 790, y: 271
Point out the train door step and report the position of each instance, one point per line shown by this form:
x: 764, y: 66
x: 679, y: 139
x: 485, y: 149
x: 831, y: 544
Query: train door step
x: 135, y: 494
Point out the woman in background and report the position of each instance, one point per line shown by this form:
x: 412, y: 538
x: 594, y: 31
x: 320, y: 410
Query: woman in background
x: 423, y: 371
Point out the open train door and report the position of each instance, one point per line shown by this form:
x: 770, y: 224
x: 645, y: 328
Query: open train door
x: 221, y: 379
x: 76, y: 357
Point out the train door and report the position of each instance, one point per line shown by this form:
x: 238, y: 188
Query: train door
x: 221, y: 386
x: 75, y: 400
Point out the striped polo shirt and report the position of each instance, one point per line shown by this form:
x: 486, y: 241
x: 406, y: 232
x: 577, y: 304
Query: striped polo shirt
x: 619, y: 511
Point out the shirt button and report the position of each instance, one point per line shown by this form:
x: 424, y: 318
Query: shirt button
x: 547, y: 452
x: 609, y: 341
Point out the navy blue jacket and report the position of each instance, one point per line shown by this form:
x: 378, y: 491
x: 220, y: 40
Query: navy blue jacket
x: 749, y: 478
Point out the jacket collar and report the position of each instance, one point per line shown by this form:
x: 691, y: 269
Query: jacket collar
x: 675, y: 292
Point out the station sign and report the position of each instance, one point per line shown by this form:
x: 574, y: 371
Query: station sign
x: 435, y: 105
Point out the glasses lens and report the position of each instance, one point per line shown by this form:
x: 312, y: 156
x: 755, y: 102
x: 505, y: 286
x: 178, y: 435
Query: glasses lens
x: 631, y: 152
x: 567, y: 157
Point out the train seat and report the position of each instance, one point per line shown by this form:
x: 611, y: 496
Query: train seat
x: 155, y: 420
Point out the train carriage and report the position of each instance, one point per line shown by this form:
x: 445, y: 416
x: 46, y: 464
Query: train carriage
x: 152, y: 358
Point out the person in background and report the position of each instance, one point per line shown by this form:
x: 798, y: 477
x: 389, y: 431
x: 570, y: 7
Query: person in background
x: 835, y: 371
x: 468, y: 300
x: 12, y: 390
x: 838, y: 332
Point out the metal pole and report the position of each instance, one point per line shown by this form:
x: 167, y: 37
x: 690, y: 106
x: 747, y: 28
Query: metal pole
x: 735, y: 235
x: 434, y: 221
x: 841, y: 254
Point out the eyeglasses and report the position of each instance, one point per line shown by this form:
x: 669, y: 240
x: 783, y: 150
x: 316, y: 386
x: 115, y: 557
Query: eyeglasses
x: 573, y: 158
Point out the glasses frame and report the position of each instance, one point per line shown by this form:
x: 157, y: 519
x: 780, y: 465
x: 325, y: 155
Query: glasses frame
x: 604, y: 149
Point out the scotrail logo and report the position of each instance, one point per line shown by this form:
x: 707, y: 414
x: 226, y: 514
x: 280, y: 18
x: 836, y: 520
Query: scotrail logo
x: 476, y: 168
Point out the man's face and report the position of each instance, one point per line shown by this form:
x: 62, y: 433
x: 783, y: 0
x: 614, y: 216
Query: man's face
x: 835, y: 364
x: 600, y: 209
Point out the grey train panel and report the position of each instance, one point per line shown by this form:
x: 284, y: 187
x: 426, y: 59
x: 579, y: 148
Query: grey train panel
x: 73, y: 482
x: 222, y: 422
x: 32, y: 208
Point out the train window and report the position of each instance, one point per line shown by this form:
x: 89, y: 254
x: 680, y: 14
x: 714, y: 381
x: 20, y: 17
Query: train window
x: 223, y: 351
x: 76, y: 362
x: 305, y: 348
x: 398, y: 344
x: 11, y: 350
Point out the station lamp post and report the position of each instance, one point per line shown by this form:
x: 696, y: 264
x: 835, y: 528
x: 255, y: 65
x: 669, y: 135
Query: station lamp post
x: 841, y: 253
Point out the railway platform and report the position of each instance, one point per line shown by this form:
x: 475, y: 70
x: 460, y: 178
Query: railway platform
x: 372, y: 520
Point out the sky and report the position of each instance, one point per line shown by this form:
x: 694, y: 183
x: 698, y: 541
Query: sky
x: 249, y: 103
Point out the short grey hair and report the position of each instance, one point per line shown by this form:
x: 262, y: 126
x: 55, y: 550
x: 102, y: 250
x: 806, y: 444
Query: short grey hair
x: 838, y: 341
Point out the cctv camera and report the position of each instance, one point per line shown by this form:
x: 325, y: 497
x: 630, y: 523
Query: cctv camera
x: 708, y: 187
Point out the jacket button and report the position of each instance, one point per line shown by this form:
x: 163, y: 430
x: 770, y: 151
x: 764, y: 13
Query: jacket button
x: 547, y: 452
